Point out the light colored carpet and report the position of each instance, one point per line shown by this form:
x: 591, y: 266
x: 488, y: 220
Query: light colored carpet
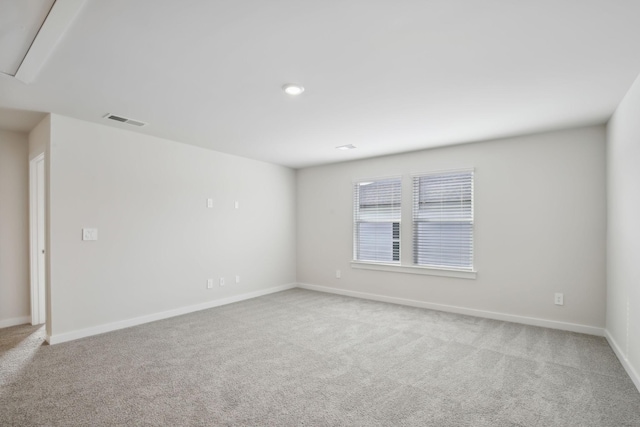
x: 302, y: 358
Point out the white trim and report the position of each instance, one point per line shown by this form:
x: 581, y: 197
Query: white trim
x: 379, y: 178
x: 533, y: 321
x: 623, y: 359
x: 33, y: 239
x: 108, y: 327
x: 412, y: 269
x: 6, y: 323
x: 441, y: 172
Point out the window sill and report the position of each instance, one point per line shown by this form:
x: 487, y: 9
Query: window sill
x: 412, y: 269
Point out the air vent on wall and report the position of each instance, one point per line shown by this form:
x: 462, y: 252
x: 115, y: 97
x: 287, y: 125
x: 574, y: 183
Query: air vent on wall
x: 124, y: 120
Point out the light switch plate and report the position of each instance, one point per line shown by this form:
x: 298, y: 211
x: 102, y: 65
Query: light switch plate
x: 89, y: 234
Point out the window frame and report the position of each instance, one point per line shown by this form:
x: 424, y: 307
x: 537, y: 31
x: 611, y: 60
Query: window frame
x: 415, y: 196
x: 356, y: 221
x: 403, y: 266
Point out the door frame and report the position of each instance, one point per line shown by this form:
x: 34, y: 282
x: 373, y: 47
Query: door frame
x: 38, y: 290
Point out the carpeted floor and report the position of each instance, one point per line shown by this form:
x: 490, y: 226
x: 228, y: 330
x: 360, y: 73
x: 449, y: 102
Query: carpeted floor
x: 302, y: 358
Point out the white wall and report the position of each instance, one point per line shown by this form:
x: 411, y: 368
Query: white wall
x: 14, y: 229
x: 39, y: 138
x: 158, y: 243
x: 623, y: 231
x: 540, y: 227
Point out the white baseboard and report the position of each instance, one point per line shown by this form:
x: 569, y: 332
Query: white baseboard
x: 533, y: 321
x: 623, y: 359
x: 15, y: 321
x: 101, y: 329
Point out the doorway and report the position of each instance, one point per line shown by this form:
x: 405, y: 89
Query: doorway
x: 37, y: 230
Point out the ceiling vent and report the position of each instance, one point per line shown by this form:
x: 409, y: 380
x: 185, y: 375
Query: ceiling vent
x: 124, y: 120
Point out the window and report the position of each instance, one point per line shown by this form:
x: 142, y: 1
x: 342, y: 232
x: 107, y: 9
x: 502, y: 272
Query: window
x: 376, y: 217
x: 443, y: 220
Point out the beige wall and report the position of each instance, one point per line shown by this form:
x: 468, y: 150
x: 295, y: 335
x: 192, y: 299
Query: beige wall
x: 539, y: 227
x: 158, y: 243
x: 623, y: 255
x: 14, y: 229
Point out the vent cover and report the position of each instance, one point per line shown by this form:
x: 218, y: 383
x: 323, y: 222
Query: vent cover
x: 124, y: 120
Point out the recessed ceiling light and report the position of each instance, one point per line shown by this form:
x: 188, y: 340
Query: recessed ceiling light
x: 346, y: 147
x: 293, y: 89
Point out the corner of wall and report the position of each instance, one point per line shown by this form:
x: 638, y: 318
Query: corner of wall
x: 623, y: 232
x: 633, y: 374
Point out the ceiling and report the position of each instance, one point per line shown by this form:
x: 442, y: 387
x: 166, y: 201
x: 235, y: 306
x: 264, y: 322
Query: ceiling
x: 385, y: 76
x: 20, y: 22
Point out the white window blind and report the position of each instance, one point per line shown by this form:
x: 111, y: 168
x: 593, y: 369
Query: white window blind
x: 443, y: 220
x: 376, y: 213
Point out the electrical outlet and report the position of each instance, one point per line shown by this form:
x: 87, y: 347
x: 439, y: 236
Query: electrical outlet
x: 222, y: 281
x: 209, y: 203
x: 338, y: 274
x: 559, y: 299
x: 237, y: 279
x: 237, y: 204
x: 209, y: 283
